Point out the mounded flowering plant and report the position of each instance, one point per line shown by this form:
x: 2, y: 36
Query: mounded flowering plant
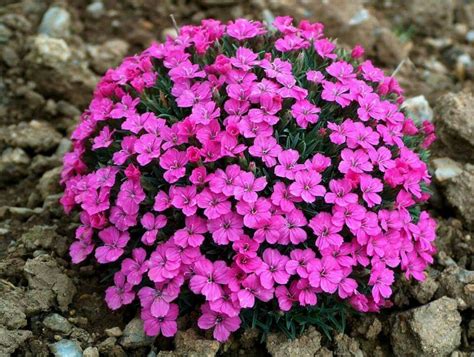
x: 258, y: 173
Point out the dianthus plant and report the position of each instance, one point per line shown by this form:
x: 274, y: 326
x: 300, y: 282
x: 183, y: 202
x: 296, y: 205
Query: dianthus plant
x: 255, y: 168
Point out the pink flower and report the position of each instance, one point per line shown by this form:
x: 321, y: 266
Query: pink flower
x: 342, y: 71
x: 166, y: 325
x: 223, y: 324
x: 251, y: 289
x: 203, y: 113
x: 350, y: 215
x: 336, y: 92
x: 242, y: 29
x: 370, y: 187
x: 114, y: 242
x: 174, y: 162
x: 307, y: 186
x: 325, y: 274
x: 315, y: 76
x: 381, y: 278
x: 266, y: 148
x: 326, y: 231
x: 270, y: 106
x: 288, y: 164
x: 282, y: 197
x: 135, y: 267
x: 273, y: 269
x: 208, y: 278
x: 357, y: 161
x: 298, y: 262
x: 148, y: 148
x: 244, y: 59
x: 226, y: 228
x: 370, y: 107
x: 192, y: 234
x: 268, y: 229
x: 152, y: 224
x: 162, y: 201
x: 164, y: 263
x: 184, y: 198
x: 254, y: 212
x: 292, y: 231
x: 224, y: 182
x: 247, y: 186
x: 285, y: 298
x: 157, y: 300
x: 104, y: 139
x: 340, y: 193
x: 119, y: 294
x: 305, y: 113
x: 214, y: 204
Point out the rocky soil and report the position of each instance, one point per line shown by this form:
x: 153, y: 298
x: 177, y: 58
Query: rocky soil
x: 52, y: 54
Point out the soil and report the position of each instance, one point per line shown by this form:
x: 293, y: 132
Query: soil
x: 428, y: 45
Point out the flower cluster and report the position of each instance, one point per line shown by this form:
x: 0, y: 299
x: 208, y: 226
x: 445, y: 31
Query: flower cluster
x: 248, y: 165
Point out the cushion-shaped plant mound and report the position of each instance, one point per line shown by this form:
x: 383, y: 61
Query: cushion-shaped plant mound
x: 254, y: 171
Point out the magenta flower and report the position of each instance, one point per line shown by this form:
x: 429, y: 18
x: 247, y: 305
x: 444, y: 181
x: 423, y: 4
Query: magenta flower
x: 214, y: 204
x: 305, y: 113
x: 288, y: 164
x: 192, y: 234
x: 224, y: 182
x: 148, y: 148
x: 242, y: 29
x: 226, y: 228
x: 340, y: 193
x: 325, y: 274
x: 114, y: 242
x: 223, y: 324
x: 254, y: 212
x: 265, y: 148
x: 252, y: 289
x: 184, y: 198
x: 158, y: 300
x: 273, y: 269
x: 307, y: 186
x: 174, y: 162
x: 135, y: 267
x: 292, y: 231
x: 370, y: 187
x: 152, y: 224
x: 208, y: 278
x: 121, y: 293
x: 247, y: 186
x: 326, y: 231
x: 164, y: 263
x: 381, y: 278
x: 282, y: 198
x: 357, y: 161
x: 166, y: 325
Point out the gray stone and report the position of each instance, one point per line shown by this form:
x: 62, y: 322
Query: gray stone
x: 347, y: 346
x: 91, y: 352
x: 188, y: 343
x: 37, y: 135
x: 460, y: 194
x: 454, y: 120
x: 107, y: 55
x: 418, y: 109
x: 13, y: 164
x: 96, y: 9
x: 114, y: 332
x: 430, y: 17
x: 134, y: 336
x: 49, y: 182
x: 308, y: 344
x: 446, y: 169
x: 56, y: 22
x: 47, y: 281
x: 456, y: 283
x: 10, y: 340
x: 423, y: 291
x: 66, y: 348
x: 49, y: 65
x: 57, y: 323
x: 430, y: 330
x: 12, y: 312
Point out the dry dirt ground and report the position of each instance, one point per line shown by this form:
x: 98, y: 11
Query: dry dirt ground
x: 51, y: 55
